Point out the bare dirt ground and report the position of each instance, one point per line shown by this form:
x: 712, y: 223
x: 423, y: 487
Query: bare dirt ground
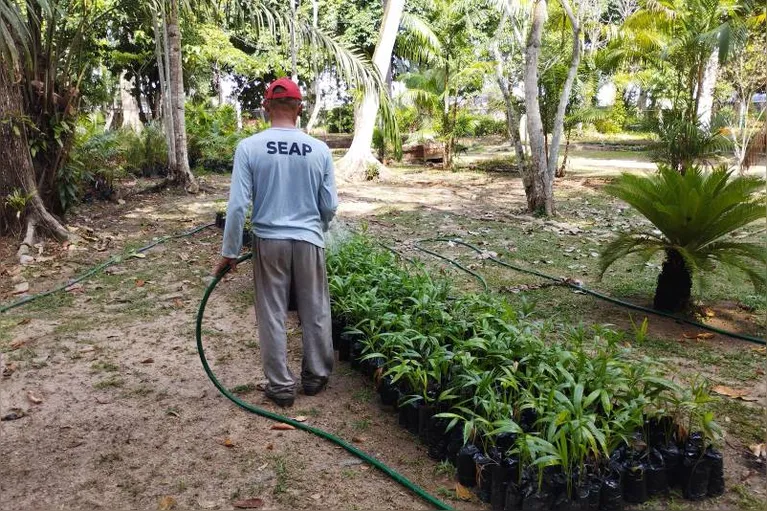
x: 118, y: 413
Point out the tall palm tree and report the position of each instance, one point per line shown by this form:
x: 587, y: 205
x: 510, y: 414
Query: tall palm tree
x: 694, y: 215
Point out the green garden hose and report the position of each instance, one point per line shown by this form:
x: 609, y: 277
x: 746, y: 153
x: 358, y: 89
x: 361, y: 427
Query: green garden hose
x: 438, y: 504
x: 596, y: 294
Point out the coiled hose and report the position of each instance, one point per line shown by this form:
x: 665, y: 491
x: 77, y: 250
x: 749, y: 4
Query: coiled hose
x: 564, y: 282
x: 438, y: 504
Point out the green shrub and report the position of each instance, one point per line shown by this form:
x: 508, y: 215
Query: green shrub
x: 145, y: 152
x: 694, y: 215
x: 340, y: 119
x: 488, y: 125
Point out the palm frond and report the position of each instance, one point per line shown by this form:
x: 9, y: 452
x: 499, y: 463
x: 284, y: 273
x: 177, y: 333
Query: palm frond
x: 646, y: 245
x: 417, y: 41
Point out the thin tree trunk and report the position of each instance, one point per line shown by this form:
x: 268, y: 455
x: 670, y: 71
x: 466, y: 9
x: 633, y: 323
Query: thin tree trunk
x: 512, y: 116
x: 17, y: 172
x: 315, y: 115
x: 534, y: 177
x: 705, y: 98
x: 564, y: 97
x: 182, y: 174
x: 170, y: 130
x: 167, y: 111
x: 293, y: 56
x: 353, y: 166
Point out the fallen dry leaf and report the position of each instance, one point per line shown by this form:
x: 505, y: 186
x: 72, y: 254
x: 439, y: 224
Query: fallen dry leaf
x: 281, y: 426
x: 21, y: 288
x: 316, y: 496
x: 709, y: 313
x: 24, y: 321
x: 140, y: 283
x: 462, y: 492
x: 33, y: 398
x: 300, y: 418
x: 227, y: 442
x: 18, y: 344
x: 741, y: 394
x: 700, y: 337
x: 758, y: 450
x: 137, y: 255
x: 166, y: 503
x: 149, y: 360
x: 358, y: 439
x: 249, y: 503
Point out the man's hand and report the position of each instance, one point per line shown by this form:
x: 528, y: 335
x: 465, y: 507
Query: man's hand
x: 223, y: 264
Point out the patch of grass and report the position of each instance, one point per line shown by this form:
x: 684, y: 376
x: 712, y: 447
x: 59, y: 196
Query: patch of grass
x: 446, y: 493
x: 364, y: 395
x: 102, y: 366
x: 746, y: 423
x: 348, y: 473
x: 244, y: 389
x: 23, y: 354
x: 445, y: 468
x: 139, y: 391
x: 362, y: 424
x: 747, y: 501
x: 111, y: 382
x: 50, y: 303
x: 280, y: 463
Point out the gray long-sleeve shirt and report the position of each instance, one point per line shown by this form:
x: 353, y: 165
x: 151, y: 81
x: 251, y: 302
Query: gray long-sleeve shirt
x: 288, y: 178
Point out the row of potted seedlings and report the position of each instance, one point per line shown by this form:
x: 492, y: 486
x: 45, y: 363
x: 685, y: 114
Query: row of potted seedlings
x: 533, y: 415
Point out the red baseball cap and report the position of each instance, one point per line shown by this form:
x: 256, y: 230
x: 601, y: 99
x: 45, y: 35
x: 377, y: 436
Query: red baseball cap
x: 291, y: 90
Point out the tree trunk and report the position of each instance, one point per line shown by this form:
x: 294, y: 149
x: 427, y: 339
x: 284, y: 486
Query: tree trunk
x: 512, y: 115
x: 315, y: 115
x: 705, y: 97
x: 562, y: 169
x: 130, y: 108
x: 181, y: 173
x: 170, y: 131
x: 167, y: 110
x: 17, y: 172
x: 564, y: 97
x: 539, y: 199
x: 353, y: 166
x: 674, y: 284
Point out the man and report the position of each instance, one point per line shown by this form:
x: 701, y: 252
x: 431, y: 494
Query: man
x: 288, y: 178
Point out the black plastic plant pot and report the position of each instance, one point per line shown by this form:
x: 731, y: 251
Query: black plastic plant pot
x: 611, y: 496
x: 513, y: 501
x: 635, y: 482
x: 716, y: 474
x: 402, y: 416
x: 656, y: 475
x: 527, y: 419
x: 337, y: 328
x: 412, y: 418
x: 696, y: 478
x: 501, y: 476
x: 220, y: 219
x: 484, y: 476
x: 355, y: 354
x: 454, y: 445
x: 345, y: 341
x: 437, y: 439
x: 425, y: 413
x: 466, y: 468
x: 247, y: 238
x: 696, y: 468
x: 389, y: 392
x: 595, y: 493
x: 672, y: 460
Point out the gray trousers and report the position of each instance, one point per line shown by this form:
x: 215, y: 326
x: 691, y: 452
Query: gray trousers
x: 278, y: 264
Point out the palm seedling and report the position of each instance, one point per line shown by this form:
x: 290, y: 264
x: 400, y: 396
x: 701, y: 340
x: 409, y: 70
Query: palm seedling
x: 694, y: 214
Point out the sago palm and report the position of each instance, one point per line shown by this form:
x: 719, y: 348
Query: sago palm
x: 694, y: 215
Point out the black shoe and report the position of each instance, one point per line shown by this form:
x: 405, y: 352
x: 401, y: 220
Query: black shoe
x: 314, y: 387
x: 282, y: 399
